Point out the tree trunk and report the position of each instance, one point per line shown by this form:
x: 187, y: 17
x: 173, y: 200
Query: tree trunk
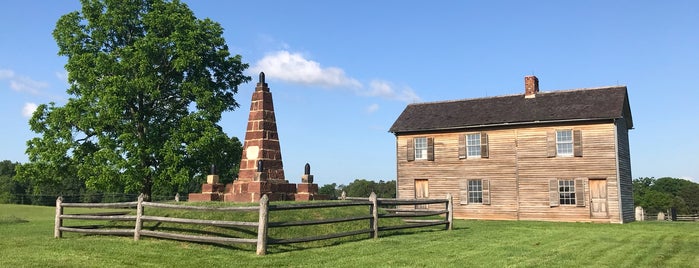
x: 147, y: 188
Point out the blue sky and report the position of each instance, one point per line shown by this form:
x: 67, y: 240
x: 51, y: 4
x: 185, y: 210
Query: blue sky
x: 342, y: 71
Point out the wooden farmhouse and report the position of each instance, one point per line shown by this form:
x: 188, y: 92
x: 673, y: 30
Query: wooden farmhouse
x: 550, y: 156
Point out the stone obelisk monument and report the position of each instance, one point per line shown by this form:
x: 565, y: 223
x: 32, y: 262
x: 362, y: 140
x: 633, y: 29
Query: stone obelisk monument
x: 261, y: 168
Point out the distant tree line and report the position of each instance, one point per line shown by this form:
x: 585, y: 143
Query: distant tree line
x: 16, y: 189
x: 656, y: 195
x: 360, y: 188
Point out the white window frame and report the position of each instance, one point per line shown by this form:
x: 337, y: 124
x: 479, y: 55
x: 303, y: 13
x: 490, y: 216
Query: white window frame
x: 473, y: 145
x: 566, y: 192
x: 420, y: 148
x: 564, y: 143
x: 475, y: 191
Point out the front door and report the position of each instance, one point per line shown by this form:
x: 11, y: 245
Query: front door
x: 598, y: 200
x: 422, y: 191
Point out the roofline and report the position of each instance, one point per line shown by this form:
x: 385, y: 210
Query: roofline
x: 508, y: 124
x: 519, y: 94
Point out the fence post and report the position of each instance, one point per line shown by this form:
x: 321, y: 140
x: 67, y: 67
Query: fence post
x: 262, y: 227
x: 374, y: 222
x: 58, y: 222
x: 450, y: 211
x: 139, y: 222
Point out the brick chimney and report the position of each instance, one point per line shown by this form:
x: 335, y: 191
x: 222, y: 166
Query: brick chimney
x: 531, y: 86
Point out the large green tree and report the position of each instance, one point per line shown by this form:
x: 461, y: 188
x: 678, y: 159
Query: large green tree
x: 148, y: 84
x: 661, y: 194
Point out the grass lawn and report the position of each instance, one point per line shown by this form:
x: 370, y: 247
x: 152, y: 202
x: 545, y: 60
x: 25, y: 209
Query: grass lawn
x: 26, y: 240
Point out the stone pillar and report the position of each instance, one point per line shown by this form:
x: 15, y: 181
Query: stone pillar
x: 261, y: 168
x: 212, y: 190
x: 640, y: 215
x: 307, y: 190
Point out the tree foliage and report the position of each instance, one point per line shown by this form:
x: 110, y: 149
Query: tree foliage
x: 360, y: 188
x: 148, y: 84
x: 656, y: 195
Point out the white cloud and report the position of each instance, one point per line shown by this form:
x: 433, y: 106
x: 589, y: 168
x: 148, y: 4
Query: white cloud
x: 63, y: 76
x: 386, y: 90
x: 22, y: 83
x: 25, y: 84
x: 294, y: 68
x: 29, y: 109
x: 372, y: 108
x: 5, y: 74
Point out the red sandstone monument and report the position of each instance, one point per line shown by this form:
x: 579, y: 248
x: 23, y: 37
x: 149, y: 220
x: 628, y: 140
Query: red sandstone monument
x: 261, y: 168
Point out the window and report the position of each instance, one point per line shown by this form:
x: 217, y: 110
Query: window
x: 473, y: 145
x: 420, y: 148
x: 566, y: 192
x: 475, y: 191
x: 564, y: 142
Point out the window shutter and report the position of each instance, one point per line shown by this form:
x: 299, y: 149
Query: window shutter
x: 430, y: 149
x: 551, y: 144
x: 462, y: 146
x: 463, y: 192
x: 411, y: 150
x: 577, y: 143
x: 484, y: 145
x: 554, y: 200
x: 486, y: 191
x: 579, y: 193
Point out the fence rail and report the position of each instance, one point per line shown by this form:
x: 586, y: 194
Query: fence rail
x: 262, y: 224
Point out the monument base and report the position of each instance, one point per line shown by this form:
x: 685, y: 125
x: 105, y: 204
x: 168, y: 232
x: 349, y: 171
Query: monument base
x: 252, y: 191
x: 209, y: 192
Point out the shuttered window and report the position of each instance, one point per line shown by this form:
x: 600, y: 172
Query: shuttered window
x: 473, y: 145
x: 475, y: 192
x: 564, y: 143
x: 421, y: 148
x: 566, y: 192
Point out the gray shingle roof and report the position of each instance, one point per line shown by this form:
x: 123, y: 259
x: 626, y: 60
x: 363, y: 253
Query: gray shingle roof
x: 570, y: 105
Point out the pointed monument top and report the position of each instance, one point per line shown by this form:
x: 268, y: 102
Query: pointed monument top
x: 261, y: 85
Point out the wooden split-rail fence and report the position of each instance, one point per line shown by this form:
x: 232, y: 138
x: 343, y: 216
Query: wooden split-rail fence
x: 399, y: 208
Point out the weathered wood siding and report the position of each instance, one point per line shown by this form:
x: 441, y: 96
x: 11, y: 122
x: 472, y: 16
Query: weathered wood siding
x: 519, y: 169
x: 625, y: 179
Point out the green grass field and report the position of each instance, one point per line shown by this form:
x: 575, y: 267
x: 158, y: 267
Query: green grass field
x: 26, y: 240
